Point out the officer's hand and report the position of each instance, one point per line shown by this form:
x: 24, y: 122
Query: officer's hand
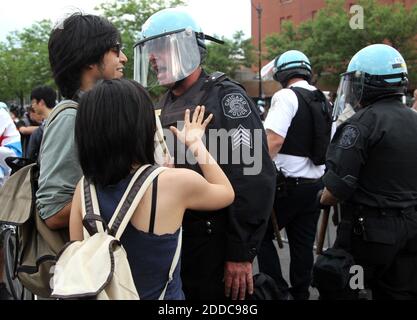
x: 193, y: 129
x: 238, y: 279
x: 318, y: 201
x: 327, y: 198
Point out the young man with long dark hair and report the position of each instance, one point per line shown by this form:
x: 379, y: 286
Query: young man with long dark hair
x: 83, y: 49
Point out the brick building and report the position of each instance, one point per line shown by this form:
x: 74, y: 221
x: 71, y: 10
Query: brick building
x: 275, y: 12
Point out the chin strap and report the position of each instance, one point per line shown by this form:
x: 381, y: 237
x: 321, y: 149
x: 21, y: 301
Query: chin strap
x: 203, y: 36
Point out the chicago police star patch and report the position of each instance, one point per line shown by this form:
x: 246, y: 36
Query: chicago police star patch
x: 348, y: 138
x: 235, y: 106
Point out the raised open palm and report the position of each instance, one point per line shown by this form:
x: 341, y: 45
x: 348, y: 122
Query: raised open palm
x: 193, y: 129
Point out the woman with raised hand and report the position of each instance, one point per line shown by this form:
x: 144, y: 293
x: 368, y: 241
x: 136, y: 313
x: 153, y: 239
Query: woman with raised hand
x: 114, y: 132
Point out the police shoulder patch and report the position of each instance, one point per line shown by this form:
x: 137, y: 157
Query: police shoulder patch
x: 348, y: 137
x: 236, y: 106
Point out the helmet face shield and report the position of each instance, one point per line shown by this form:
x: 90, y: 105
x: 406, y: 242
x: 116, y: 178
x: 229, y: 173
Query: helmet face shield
x: 349, y: 93
x: 267, y: 72
x: 166, y: 59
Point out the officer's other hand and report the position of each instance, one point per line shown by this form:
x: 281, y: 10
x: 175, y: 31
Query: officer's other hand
x: 327, y: 198
x: 194, y: 127
x: 238, y: 279
x: 318, y: 200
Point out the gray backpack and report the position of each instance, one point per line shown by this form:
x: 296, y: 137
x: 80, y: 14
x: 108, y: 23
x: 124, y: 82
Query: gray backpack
x: 37, y: 245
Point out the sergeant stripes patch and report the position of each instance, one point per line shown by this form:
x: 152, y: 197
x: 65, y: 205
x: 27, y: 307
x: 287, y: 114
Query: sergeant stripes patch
x: 241, y: 137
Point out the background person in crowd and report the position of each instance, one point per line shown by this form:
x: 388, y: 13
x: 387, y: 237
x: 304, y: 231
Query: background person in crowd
x: 372, y: 173
x: 83, y: 49
x: 9, y: 147
x: 218, y: 250
x: 29, y: 122
x: 110, y: 152
x: 43, y: 100
x: 16, y: 112
x: 290, y: 127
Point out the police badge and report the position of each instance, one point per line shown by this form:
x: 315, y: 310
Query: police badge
x: 235, y: 106
x: 348, y: 138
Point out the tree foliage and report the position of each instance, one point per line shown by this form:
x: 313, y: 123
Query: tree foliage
x: 230, y: 56
x: 330, y: 43
x: 24, y: 61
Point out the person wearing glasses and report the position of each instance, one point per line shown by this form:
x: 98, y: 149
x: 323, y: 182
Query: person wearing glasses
x: 83, y: 50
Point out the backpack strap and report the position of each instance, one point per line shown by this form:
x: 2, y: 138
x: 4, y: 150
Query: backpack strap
x: 137, y: 187
x: 173, y: 265
x: 126, y: 208
x: 131, y: 198
x: 92, y: 221
x: 160, y: 142
x: 153, y: 206
x: 63, y: 105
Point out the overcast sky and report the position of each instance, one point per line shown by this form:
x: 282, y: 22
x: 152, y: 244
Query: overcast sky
x: 221, y: 17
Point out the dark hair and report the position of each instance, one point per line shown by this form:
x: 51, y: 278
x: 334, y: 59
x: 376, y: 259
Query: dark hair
x: 79, y: 41
x: 45, y: 93
x: 29, y: 109
x: 114, y: 129
x: 17, y: 110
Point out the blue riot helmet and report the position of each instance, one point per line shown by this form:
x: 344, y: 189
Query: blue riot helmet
x: 170, y: 48
x: 375, y: 72
x: 291, y: 64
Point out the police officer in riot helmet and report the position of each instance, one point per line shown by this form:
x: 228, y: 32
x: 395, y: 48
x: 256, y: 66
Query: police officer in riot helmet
x: 298, y: 132
x: 218, y: 249
x: 372, y: 173
x: 291, y: 64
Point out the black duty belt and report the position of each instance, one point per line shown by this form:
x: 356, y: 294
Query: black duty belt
x: 297, y: 181
x: 349, y: 210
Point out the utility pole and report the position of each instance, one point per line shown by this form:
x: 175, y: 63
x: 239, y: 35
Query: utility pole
x: 261, y: 102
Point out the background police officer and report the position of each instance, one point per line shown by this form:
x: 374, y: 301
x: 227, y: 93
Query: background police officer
x: 290, y: 131
x: 218, y: 250
x: 372, y: 171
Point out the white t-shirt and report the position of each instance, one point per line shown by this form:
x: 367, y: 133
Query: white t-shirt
x: 9, y: 143
x: 284, y: 107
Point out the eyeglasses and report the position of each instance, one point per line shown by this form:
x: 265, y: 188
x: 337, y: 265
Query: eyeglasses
x: 117, y: 48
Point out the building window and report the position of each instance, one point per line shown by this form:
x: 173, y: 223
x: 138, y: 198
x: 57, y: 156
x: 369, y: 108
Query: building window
x: 285, y: 1
x: 281, y: 21
x: 313, y: 14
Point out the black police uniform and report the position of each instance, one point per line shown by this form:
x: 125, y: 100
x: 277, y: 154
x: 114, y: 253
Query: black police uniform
x: 372, y: 169
x: 234, y: 233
